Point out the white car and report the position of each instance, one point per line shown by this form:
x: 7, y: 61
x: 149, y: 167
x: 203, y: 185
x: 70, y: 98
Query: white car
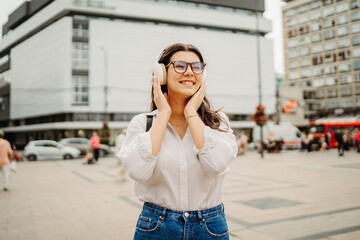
x: 48, y: 149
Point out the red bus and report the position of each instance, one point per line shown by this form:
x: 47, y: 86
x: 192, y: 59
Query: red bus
x: 322, y: 125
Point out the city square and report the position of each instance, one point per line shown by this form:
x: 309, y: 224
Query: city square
x: 287, y: 195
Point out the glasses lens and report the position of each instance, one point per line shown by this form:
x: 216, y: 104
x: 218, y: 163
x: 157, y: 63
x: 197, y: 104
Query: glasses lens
x: 180, y: 67
x: 197, y: 67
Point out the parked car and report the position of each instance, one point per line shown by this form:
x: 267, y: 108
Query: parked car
x: 48, y: 149
x: 83, y: 144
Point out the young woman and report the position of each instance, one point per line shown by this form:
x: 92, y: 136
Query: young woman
x: 179, y: 165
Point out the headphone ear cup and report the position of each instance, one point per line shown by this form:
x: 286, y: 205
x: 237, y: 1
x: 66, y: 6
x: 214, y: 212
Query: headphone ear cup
x: 204, y: 76
x: 160, y: 73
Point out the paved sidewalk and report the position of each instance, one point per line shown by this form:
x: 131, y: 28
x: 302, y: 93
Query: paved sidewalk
x: 290, y: 195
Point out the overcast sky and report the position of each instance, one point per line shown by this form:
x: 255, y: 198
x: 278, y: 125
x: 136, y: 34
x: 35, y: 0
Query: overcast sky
x: 272, y: 12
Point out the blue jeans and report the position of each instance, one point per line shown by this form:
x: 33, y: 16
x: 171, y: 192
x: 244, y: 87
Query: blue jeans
x: 156, y: 222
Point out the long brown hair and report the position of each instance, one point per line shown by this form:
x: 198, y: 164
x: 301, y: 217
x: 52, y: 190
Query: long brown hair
x: 210, y: 117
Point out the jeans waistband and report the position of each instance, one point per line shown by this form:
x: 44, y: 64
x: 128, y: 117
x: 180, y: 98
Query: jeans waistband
x: 166, y: 212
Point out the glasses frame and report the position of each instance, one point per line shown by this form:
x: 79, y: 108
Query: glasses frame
x: 187, y: 65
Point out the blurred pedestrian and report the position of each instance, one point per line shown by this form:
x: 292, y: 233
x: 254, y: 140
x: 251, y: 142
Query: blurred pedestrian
x: 309, y: 141
x: 327, y: 136
x: 118, y: 143
x: 5, y: 160
x: 339, y: 137
x: 303, y: 141
x: 95, y: 145
x: 242, y: 143
x: 357, y: 139
x: 179, y: 164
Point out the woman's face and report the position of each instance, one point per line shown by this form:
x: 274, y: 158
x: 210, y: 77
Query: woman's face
x: 186, y: 83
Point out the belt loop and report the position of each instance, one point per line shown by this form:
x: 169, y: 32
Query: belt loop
x: 162, y: 215
x: 202, y: 220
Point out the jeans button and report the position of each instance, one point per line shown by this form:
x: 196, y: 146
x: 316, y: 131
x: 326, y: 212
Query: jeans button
x: 186, y: 214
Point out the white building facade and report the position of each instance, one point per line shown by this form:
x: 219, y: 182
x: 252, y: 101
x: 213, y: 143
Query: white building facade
x: 73, y: 64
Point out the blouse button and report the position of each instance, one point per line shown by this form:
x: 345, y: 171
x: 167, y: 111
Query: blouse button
x: 186, y: 214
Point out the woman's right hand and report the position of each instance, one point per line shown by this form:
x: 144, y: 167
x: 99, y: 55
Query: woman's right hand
x: 161, y: 100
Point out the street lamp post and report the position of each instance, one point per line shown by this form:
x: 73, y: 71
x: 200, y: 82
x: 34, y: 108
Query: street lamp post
x: 259, y: 74
x: 105, y: 84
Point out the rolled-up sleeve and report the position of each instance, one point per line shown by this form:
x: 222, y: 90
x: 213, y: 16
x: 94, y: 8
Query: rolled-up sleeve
x: 136, y: 151
x: 219, y: 149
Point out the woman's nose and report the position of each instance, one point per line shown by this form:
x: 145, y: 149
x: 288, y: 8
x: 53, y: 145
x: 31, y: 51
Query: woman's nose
x: 189, y: 70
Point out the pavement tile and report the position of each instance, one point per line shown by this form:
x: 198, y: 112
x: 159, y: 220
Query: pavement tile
x: 67, y: 200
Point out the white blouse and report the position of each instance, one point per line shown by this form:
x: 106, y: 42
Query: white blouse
x: 180, y: 177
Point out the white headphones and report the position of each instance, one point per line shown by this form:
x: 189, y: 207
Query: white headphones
x: 159, y: 71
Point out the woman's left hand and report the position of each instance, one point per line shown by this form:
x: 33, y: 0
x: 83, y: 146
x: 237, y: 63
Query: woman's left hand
x: 194, y: 103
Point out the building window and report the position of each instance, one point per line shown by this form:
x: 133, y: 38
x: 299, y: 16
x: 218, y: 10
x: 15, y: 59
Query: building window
x: 330, y: 57
x: 302, y: 8
x: 304, y: 51
x: 358, y: 102
x: 333, y: 104
x: 357, y: 65
x: 318, y: 82
x: 342, y: 7
x: 344, y: 55
x: 317, y: 48
x: 342, y: 19
x: 293, y: 64
x: 4, y: 103
x: 357, y: 90
x: 315, y: 4
x: 305, y: 62
x: 332, y: 92
x: 316, y: 26
x: 330, y: 46
x: 346, y: 103
x: 331, y: 81
x: 327, y: 2
x: 292, y: 43
x: 314, y: 15
x: 81, y: 30
x: 317, y: 60
x: 355, y: 28
x: 329, y: 23
x: 304, y: 29
x: 355, y: 16
x: 305, y: 73
x: 291, y: 22
x: 343, y: 43
x: 330, y: 69
x: 293, y: 54
x: 290, y: 12
x: 316, y: 37
x: 5, y: 78
x: 320, y: 93
x: 329, y: 34
x: 357, y: 77
x: 317, y: 71
x: 80, y: 90
x: 304, y: 40
x: 328, y: 11
x: 346, y: 91
x: 356, y: 40
x: 294, y: 75
x: 303, y: 18
x: 344, y: 67
x: 355, y: 4
x: 356, y: 52
x: 342, y: 31
x: 345, y: 79
x: 292, y: 33
x: 80, y: 56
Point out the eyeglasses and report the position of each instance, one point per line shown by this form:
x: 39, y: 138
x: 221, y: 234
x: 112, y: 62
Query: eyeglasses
x: 181, y: 67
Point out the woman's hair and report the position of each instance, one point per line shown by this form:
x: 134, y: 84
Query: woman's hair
x: 210, y: 117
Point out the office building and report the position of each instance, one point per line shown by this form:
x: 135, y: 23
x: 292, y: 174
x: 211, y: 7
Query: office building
x: 67, y: 66
x: 322, y: 54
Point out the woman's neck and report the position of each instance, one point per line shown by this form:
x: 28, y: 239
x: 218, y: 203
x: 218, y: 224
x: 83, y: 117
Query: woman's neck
x: 177, y: 107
